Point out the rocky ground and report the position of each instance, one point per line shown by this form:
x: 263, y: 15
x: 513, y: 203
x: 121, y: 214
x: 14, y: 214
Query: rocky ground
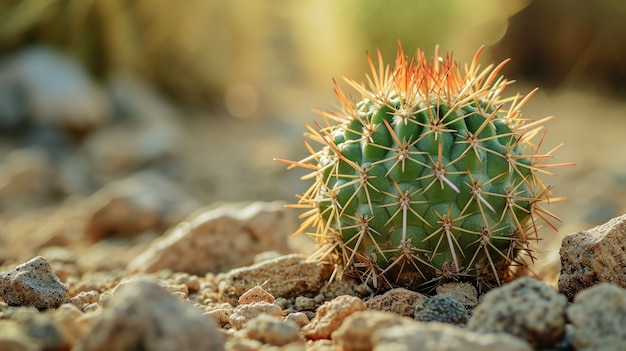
x: 127, y: 227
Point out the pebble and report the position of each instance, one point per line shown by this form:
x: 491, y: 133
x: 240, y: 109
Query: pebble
x: 255, y: 294
x: 526, y: 308
x: 592, y: 256
x: 33, y: 284
x: 598, y: 316
x: 437, y: 336
x: 273, y: 330
x: 441, y: 308
x: 286, y: 276
x: 330, y: 315
x: 399, y: 301
x: 299, y: 318
x: 355, y: 332
x: 142, y: 314
x: 244, y: 313
x: 465, y: 293
x: 218, y: 239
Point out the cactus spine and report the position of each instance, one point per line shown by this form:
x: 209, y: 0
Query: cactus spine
x: 430, y: 176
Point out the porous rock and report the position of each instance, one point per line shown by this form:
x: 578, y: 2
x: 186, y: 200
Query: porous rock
x: 355, y: 333
x: 526, y: 308
x: 598, y: 316
x: 440, y: 336
x: 463, y: 292
x: 273, y: 330
x: 441, y: 308
x: 218, y: 239
x: 399, y: 301
x: 330, y: 315
x: 286, y: 276
x: 255, y: 294
x: 243, y: 313
x: 33, y: 284
x: 143, y: 315
x: 593, y: 256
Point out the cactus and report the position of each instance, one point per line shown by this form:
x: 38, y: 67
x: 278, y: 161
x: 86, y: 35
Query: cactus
x: 430, y: 177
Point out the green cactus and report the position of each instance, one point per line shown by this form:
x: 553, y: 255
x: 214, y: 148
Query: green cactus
x: 430, y: 177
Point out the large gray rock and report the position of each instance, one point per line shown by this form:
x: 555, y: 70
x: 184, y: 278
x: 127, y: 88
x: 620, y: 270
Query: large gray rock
x: 598, y: 316
x: 526, y: 308
x: 593, y: 256
x: 144, y: 316
x: 33, y: 284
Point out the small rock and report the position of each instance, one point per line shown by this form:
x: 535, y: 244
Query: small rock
x: 287, y: 276
x: 355, y: 333
x: 399, y: 301
x: 304, y: 303
x: 598, y: 316
x: 13, y: 338
x: 592, y: 256
x: 218, y: 239
x: 33, y: 284
x: 143, y: 315
x: 526, y: 308
x: 441, y: 308
x: 299, y: 318
x: 273, y: 330
x: 331, y: 314
x: 255, y: 294
x: 440, y: 336
x: 465, y: 293
x: 221, y: 315
x: 243, y: 313
x: 142, y: 202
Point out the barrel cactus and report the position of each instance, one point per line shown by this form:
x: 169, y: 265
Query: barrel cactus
x: 430, y: 176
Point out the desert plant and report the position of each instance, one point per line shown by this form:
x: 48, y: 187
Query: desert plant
x: 430, y: 176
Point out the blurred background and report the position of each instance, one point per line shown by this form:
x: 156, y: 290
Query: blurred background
x: 201, y: 97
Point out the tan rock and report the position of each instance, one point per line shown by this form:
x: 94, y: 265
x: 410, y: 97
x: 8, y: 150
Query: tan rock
x: 273, y: 330
x: 526, y: 308
x: 144, y: 315
x: 598, y: 316
x: 33, y: 284
x: 13, y: 338
x: 286, y: 276
x: 142, y: 202
x: 592, y: 256
x: 355, y: 333
x: 243, y: 313
x: 465, y: 293
x: 399, y: 301
x: 218, y: 239
x: 440, y: 336
x: 255, y: 294
x: 331, y: 314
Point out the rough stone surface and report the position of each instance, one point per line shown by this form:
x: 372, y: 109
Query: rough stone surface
x: 355, y: 333
x: 526, y: 308
x: 330, y: 315
x: 443, y: 337
x: 592, y: 256
x: 273, y: 330
x: 465, y: 293
x: 297, y: 277
x: 598, y: 316
x: 33, y: 284
x: 256, y: 294
x: 218, y: 239
x: 143, y: 315
x: 399, y: 301
x: 131, y: 206
x: 441, y: 308
x: 244, y: 313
